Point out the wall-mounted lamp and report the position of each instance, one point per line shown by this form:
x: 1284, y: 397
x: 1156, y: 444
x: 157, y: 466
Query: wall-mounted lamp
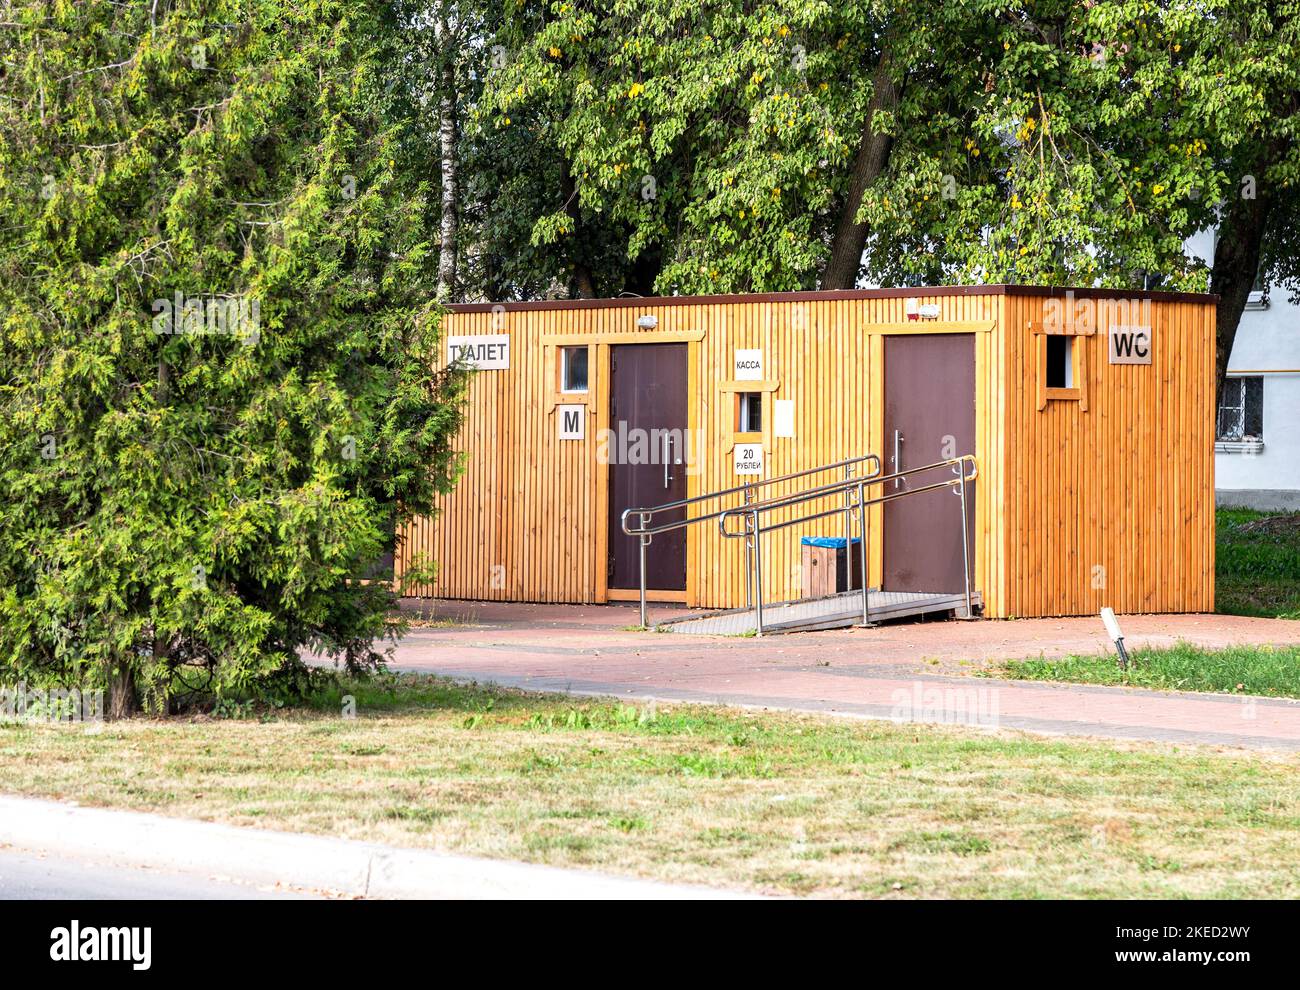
x: 647, y: 321
x: 915, y: 311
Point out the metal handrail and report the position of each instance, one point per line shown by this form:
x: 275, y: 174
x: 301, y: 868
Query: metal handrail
x: 836, y: 488
x: 754, y: 529
x: 645, y: 531
x: 752, y: 486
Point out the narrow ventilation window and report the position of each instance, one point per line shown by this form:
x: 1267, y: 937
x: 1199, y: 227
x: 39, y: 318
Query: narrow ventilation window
x: 573, y: 369
x: 749, y: 412
x: 1062, y: 369
x: 1060, y: 361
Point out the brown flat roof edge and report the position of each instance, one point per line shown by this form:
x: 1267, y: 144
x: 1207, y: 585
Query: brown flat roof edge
x: 1001, y: 289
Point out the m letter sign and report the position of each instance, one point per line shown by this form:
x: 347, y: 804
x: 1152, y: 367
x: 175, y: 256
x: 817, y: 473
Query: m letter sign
x: 487, y: 352
x: 1130, y: 345
x: 573, y: 421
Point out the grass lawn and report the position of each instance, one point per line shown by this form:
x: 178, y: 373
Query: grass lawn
x: 1258, y: 563
x: 1258, y: 573
x: 772, y: 802
x: 1263, y: 670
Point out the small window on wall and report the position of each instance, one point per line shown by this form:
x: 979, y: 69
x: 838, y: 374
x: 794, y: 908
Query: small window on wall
x: 573, y: 369
x: 1062, y: 375
x: 749, y: 412
x: 1258, y: 298
x: 1241, y: 411
x: 1060, y: 361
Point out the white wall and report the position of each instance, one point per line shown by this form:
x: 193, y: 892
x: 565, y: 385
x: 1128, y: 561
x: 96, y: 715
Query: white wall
x: 1267, y: 339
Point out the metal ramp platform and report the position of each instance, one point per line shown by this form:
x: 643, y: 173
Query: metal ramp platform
x: 746, y: 514
x: 810, y: 614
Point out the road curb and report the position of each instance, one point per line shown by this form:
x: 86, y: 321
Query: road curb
x: 311, y: 862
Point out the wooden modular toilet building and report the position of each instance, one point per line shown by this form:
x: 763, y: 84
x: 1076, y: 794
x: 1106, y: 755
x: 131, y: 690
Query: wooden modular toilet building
x: 1089, y: 414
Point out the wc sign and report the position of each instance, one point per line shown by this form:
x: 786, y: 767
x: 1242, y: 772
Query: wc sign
x: 1130, y: 345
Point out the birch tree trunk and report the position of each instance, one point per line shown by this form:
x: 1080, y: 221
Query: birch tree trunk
x: 448, y: 132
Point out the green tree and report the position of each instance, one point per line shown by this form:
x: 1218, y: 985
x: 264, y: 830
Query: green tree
x: 1108, y: 134
x: 218, y: 381
x: 1243, y: 81
x: 719, y: 133
x: 495, y: 176
x: 795, y: 144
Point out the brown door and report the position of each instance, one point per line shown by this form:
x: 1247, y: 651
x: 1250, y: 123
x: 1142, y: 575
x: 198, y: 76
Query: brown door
x: 929, y: 416
x: 647, y: 455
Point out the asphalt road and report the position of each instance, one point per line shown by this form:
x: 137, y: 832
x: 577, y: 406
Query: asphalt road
x: 26, y: 877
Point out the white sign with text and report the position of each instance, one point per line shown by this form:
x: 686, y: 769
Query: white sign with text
x: 749, y: 458
x: 573, y: 421
x: 748, y: 366
x: 486, y: 352
x: 1130, y: 345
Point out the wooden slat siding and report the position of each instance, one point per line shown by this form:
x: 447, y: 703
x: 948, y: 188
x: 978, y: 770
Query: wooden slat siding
x: 1208, y: 424
x: 1048, y: 480
x: 1145, y: 442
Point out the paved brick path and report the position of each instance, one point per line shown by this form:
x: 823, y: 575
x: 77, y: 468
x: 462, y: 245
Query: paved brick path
x: 915, y: 672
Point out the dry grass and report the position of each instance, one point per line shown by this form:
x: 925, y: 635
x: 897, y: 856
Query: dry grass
x: 778, y: 803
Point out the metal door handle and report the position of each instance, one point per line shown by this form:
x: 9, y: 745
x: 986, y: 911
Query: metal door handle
x: 898, y: 457
x: 668, y: 444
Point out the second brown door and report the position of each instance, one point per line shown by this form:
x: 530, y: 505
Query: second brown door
x: 929, y: 417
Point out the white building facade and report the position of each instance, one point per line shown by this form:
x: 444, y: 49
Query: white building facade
x: 1257, y: 456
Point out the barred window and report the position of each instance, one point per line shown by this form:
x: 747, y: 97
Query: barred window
x: 1241, y: 409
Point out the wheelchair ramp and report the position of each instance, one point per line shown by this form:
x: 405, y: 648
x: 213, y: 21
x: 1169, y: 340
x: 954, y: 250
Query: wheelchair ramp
x: 834, y: 612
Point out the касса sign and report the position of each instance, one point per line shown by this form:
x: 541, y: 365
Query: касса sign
x: 747, y: 365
